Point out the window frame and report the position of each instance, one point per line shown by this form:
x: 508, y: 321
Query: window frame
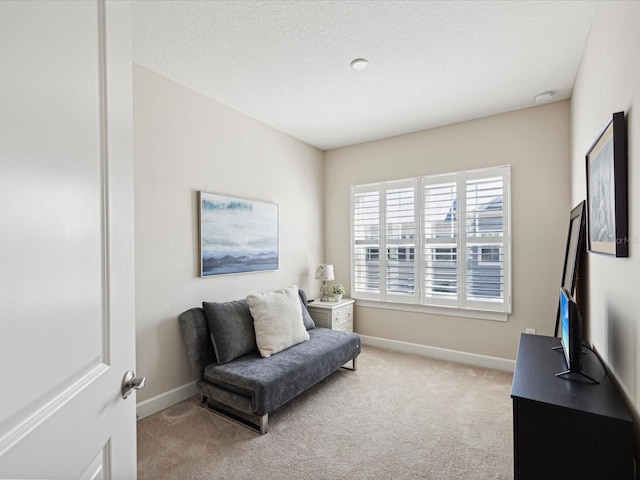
x: 462, y: 304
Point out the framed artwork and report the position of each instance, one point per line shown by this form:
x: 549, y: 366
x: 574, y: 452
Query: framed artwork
x: 575, y: 246
x: 607, y: 229
x: 237, y: 235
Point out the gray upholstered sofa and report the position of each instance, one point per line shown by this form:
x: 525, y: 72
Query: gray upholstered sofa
x: 233, y: 376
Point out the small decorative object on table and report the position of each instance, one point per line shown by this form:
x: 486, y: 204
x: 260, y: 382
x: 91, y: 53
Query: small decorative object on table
x: 338, y: 291
x: 324, y: 273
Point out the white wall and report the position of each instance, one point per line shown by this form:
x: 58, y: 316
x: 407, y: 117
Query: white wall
x: 609, y: 81
x: 535, y: 142
x: 185, y: 142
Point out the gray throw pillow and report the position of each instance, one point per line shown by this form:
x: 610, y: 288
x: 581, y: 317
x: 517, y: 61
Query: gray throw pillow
x: 231, y: 329
x: 306, y: 318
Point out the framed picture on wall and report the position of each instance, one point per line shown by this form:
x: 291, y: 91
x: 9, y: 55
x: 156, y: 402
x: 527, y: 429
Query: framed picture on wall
x: 237, y: 235
x: 575, y: 246
x: 607, y: 229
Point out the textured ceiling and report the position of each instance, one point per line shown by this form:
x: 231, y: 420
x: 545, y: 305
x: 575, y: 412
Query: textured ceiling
x: 432, y: 63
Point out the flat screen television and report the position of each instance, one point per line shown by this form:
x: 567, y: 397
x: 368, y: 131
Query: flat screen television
x: 575, y: 246
x: 571, y: 335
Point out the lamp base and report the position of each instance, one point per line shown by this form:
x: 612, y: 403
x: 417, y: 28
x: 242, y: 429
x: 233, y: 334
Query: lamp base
x: 324, y: 292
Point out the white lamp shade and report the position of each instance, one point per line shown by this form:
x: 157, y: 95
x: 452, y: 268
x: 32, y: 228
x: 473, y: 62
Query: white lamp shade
x: 324, y: 272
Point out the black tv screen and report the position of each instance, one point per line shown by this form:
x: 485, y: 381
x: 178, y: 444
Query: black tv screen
x: 575, y: 246
x: 571, y: 331
x: 571, y: 335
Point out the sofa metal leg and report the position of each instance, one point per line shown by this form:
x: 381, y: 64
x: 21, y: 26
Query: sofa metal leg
x: 354, y: 365
x: 264, y: 424
x: 256, y: 423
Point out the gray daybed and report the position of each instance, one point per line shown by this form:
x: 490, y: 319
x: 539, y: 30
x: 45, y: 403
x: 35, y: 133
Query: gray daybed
x: 232, y: 376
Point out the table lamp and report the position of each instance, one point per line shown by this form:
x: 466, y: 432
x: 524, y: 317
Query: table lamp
x: 324, y: 273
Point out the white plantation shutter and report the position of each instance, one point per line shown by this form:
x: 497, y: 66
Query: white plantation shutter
x: 440, y: 264
x: 366, y: 241
x: 485, y: 249
x: 383, y: 240
x: 400, y: 240
x: 440, y: 241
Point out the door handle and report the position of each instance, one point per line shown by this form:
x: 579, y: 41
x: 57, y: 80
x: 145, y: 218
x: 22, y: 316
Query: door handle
x: 130, y: 383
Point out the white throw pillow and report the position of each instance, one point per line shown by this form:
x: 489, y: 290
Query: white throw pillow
x: 277, y: 320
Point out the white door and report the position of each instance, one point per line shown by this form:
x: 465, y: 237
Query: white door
x: 66, y: 240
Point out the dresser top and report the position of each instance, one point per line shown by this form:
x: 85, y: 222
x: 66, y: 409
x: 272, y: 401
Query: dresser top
x: 534, y: 380
x: 330, y: 304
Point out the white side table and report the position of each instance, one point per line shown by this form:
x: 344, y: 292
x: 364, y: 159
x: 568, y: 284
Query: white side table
x: 333, y: 315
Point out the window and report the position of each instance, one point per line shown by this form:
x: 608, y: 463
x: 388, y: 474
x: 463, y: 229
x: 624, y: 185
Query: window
x: 444, y: 240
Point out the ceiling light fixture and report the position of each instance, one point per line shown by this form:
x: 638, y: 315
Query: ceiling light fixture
x: 543, y: 97
x: 359, y: 64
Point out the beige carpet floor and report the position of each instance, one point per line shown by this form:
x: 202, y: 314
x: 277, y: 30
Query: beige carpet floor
x: 399, y: 416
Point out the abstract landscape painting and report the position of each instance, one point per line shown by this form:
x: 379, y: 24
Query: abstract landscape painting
x: 237, y: 235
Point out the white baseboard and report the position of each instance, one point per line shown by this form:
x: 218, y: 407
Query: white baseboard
x: 165, y: 400
x: 441, y: 353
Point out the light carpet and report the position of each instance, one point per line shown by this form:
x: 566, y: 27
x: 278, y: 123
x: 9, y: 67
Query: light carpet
x: 399, y: 416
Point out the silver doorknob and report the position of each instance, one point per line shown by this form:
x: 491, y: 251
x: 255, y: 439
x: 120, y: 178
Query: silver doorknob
x: 130, y: 383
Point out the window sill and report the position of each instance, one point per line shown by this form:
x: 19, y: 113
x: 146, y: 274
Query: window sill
x: 435, y: 310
